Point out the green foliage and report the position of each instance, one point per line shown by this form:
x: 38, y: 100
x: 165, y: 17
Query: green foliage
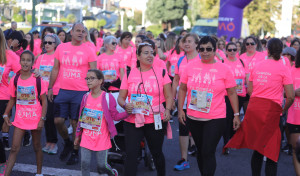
x: 138, y: 17
x: 259, y: 15
x: 16, y: 10
x: 7, y: 2
x: 155, y: 29
x: 18, y: 18
x: 29, y: 18
x: 166, y: 10
x: 94, y: 24
x: 71, y: 18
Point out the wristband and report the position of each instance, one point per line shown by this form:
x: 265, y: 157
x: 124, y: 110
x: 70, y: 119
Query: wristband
x: 236, y: 114
x: 4, y: 116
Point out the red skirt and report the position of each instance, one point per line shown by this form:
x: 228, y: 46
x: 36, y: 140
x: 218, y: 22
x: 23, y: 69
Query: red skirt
x: 260, y: 129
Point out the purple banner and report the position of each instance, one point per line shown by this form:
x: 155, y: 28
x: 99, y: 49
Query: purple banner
x: 231, y: 17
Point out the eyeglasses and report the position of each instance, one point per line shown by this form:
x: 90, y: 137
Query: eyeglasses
x: 251, y: 43
x: 90, y: 78
x: 114, y: 43
x: 230, y: 50
x: 207, y: 49
x: 48, y: 42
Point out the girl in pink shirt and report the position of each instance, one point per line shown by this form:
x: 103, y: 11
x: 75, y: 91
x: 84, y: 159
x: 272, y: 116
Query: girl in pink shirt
x: 30, y: 110
x: 146, y: 88
x: 33, y: 48
x: 241, y: 75
x: 293, y: 119
x: 174, y: 56
x: 125, y: 50
x: 206, y: 82
x: 94, y: 135
x: 111, y: 65
x: 138, y: 39
x: 43, y: 66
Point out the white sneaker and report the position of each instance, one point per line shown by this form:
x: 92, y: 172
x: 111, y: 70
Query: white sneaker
x: 39, y: 175
x: 70, y: 129
x: 53, y: 151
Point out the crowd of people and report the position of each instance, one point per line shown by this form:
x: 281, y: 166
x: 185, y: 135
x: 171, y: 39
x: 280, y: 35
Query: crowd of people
x: 94, y: 79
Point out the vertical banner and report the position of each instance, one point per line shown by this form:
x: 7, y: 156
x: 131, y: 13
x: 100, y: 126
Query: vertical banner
x: 231, y: 17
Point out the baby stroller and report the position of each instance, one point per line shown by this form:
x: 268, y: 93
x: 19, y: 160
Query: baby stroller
x: 116, y: 154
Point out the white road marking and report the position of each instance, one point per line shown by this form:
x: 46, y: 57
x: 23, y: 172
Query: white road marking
x: 50, y: 170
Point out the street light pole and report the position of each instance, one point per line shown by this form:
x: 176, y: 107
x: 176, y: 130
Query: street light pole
x: 33, y: 12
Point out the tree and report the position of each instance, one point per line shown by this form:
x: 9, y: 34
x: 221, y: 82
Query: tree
x: 166, y: 11
x: 203, y: 9
x: 71, y: 18
x: 260, y: 14
x: 18, y: 18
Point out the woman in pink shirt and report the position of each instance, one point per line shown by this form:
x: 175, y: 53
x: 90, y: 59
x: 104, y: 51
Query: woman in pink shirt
x: 125, y: 50
x: 94, y: 135
x: 174, y: 56
x: 147, y: 88
x: 43, y: 66
x: 138, y: 39
x: 241, y: 75
x: 260, y: 128
x: 30, y: 111
x: 295, y: 44
x: 251, y: 49
x: 31, y: 47
x: 293, y: 121
x: 206, y: 83
x: 62, y: 35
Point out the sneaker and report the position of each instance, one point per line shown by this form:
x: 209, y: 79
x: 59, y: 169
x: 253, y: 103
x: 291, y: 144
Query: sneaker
x: 70, y: 129
x: 285, y: 148
x: 115, y: 172
x: 39, y: 175
x: 182, y: 165
x: 46, y: 149
x: 192, y: 150
x: 68, y: 147
x: 53, y: 151
x: 6, y: 143
x: 27, y: 139
x: 2, y: 169
x: 74, y: 159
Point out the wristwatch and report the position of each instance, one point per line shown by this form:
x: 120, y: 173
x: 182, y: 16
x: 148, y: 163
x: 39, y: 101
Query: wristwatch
x: 236, y: 114
x: 44, y: 118
x: 4, y: 116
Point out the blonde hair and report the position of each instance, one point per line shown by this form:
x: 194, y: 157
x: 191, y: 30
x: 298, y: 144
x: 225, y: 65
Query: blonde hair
x: 3, y: 59
x: 88, y: 37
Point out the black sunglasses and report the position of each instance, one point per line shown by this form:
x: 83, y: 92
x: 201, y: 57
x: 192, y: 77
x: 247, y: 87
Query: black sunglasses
x: 114, y: 43
x: 230, y: 50
x: 252, y: 43
x: 207, y: 49
x: 50, y: 43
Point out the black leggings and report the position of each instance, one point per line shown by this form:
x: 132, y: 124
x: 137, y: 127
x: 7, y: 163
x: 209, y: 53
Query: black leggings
x: 3, y: 104
x: 133, y: 138
x: 206, y: 135
x: 256, y: 165
x: 229, y: 132
x: 50, y: 129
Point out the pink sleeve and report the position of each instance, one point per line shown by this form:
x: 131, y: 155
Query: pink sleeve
x: 184, y: 77
x: 167, y: 79
x: 15, y: 59
x: 44, y: 87
x: 124, y: 84
x: 246, y: 68
x: 287, y: 78
x: 229, y: 79
x: 93, y: 56
x: 56, y: 53
x: 99, y: 62
x: 12, y: 89
x: 37, y: 62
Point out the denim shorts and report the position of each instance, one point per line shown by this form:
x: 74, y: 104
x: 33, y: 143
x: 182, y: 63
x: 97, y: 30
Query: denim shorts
x: 67, y: 103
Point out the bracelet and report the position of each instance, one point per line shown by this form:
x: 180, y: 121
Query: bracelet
x: 236, y: 114
x: 4, y: 116
x: 124, y: 105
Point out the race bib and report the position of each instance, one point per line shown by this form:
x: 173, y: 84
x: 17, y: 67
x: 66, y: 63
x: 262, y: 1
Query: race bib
x: 141, y: 104
x: 45, y: 71
x: 239, y: 86
x: 91, y: 119
x: 109, y: 75
x: 1, y: 73
x: 204, y: 102
x: 26, y: 95
x: 173, y: 70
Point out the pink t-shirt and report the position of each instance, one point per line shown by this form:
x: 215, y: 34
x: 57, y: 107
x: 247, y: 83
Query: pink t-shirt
x: 257, y: 57
x: 35, y: 50
x: 44, y: 64
x: 74, y: 64
x: 294, y: 110
x: 28, y: 107
x: 37, y: 46
x: 7, y: 72
x: 269, y: 77
x: 99, y: 44
x: 212, y: 78
x: 96, y: 140
x: 92, y: 46
x: 239, y: 72
x: 221, y: 53
x: 183, y: 64
x: 173, y: 59
x: 110, y: 66
x: 159, y: 63
x: 127, y: 54
x: 150, y: 85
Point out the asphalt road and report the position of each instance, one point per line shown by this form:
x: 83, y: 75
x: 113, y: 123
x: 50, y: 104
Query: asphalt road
x: 237, y: 163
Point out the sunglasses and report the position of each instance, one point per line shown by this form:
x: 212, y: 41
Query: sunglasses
x: 230, y: 50
x: 114, y: 43
x: 207, y: 49
x: 47, y: 42
x: 252, y: 43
